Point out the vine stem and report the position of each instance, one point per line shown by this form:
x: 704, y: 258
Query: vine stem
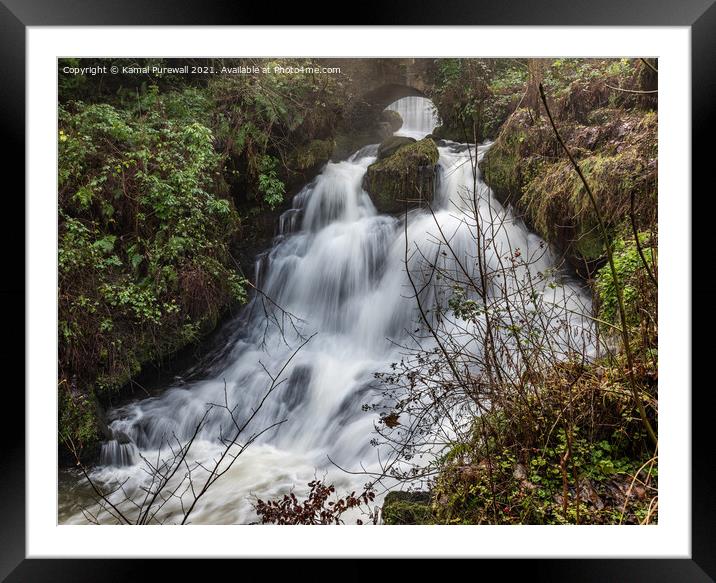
x: 615, y: 278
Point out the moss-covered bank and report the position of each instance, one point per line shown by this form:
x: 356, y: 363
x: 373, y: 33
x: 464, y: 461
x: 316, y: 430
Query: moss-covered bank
x: 407, y: 508
x: 524, y: 467
x: 613, y: 136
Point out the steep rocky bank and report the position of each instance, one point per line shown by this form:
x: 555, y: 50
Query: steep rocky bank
x: 613, y: 136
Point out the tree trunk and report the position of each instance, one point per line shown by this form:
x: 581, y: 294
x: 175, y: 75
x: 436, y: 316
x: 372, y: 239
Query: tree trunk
x: 535, y: 68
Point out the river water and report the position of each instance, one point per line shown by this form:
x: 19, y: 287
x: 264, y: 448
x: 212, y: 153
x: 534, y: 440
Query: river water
x: 337, y: 270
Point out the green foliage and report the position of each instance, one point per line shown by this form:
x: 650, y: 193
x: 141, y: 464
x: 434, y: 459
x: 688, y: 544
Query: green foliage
x: 528, y: 488
x: 563, y: 74
x: 462, y: 306
x: 76, y: 417
x: 407, y: 508
x: 144, y: 242
x: 477, y: 95
x: 273, y: 116
x: 270, y: 185
x: 191, y: 104
x: 631, y: 274
x: 510, y: 77
x: 460, y: 93
x: 620, y: 67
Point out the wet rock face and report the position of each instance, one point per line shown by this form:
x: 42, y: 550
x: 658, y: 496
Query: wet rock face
x: 392, y: 118
x: 305, y: 162
x: 405, y: 175
x: 391, y: 145
x: 365, y: 131
x: 460, y: 135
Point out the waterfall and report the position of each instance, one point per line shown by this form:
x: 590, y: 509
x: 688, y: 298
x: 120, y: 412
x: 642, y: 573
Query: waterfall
x: 419, y: 116
x: 338, y: 268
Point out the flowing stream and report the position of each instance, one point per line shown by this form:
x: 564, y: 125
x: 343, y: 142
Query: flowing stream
x: 337, y: 268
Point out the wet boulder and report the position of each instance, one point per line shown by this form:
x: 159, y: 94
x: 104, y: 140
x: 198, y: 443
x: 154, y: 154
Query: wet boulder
x: 392, y: 118
x: 391, y: 145
x: 405, y: 178
x: 452, y: 134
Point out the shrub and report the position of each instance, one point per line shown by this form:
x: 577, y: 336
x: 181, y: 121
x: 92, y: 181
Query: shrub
x: 632, y: 276
x: 143, y: 244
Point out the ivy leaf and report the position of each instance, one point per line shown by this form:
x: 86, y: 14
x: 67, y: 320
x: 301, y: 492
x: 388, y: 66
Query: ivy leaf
x: 106, y: 243
x: 135, y: 260
x: 83, y: 196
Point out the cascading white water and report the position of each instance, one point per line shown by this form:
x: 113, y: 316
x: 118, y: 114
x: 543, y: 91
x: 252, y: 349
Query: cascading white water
x: 338, y: 267
x: 419, y: 116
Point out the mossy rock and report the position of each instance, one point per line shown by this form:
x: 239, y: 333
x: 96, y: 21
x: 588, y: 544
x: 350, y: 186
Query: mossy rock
x: 404, y: 180
x: 589, y: 244
x: 305, y: 161
x: 391, y: 145
x: 502, y: 171
x: 558, y: 207
x: 311, y: 155
x: 407, y: 508
x: 81, y: 423
x: 392, y: 118
x: 452, y: 134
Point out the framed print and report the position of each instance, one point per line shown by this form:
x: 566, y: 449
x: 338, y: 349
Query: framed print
x: 425, y: 283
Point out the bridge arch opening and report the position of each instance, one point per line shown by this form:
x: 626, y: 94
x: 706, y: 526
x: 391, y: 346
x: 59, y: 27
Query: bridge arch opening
x: 417, y: 111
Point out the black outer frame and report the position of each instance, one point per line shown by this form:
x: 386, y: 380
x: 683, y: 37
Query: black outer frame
x: 15, y: 15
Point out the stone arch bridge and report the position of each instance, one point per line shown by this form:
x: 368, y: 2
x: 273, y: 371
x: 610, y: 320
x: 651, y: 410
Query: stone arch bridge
x: 374, y: 84
x: 377, y: 82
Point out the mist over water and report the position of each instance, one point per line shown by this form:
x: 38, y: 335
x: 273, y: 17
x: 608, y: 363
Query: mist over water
x: 338, y: 267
